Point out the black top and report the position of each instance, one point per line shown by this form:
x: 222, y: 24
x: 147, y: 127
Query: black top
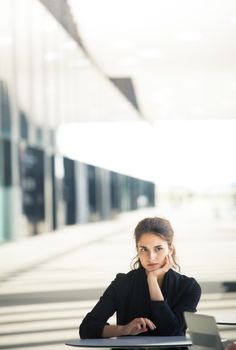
x: 128, y: 296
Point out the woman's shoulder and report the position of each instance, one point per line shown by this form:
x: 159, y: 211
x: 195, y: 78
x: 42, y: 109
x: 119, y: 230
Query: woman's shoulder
x: 188, y: 281
x: 128, y: 276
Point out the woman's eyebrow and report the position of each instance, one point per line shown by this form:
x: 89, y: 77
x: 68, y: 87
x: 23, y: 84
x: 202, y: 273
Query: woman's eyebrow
x: 156, y: 246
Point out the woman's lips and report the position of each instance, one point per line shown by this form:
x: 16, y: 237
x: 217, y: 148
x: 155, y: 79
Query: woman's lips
x: 153, y: 265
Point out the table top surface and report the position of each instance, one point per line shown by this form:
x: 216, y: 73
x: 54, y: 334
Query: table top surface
x: 131, y: 342
x: 226, y: 320
x: 226, y: 323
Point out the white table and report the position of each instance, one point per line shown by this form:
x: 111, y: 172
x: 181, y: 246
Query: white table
x: 131, y: 342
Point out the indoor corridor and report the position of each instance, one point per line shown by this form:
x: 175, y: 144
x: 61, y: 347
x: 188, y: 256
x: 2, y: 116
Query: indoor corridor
x: 111, y: 111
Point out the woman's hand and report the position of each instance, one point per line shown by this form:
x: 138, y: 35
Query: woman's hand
x: 155, y: 278
x: 137, y: 326
x: 160, y: 272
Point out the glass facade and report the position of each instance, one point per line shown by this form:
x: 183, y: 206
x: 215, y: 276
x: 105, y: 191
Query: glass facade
x: 46, y: 80
x: 32, y: 172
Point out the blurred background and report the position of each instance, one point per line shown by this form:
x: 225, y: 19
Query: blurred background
x: 111, y: 111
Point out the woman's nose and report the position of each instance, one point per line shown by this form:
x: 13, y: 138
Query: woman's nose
x: 152, y: 255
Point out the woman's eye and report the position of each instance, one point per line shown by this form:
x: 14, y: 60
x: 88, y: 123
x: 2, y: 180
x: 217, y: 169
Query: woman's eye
x: 158, y: 249
x: 141, y: 249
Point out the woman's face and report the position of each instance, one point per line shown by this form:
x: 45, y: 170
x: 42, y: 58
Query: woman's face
x: 152, y: 250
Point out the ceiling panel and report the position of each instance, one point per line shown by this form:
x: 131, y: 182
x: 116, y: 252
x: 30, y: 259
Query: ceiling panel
x: 180, y: 55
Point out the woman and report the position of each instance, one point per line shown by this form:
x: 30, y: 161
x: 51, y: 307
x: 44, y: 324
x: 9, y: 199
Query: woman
x: 151, y: 298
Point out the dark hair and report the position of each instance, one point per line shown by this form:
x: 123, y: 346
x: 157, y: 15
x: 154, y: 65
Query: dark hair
x: 160, y: 227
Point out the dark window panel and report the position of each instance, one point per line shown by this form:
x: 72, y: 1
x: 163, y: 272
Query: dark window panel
x: 24, y: 127
x: 5, y: 109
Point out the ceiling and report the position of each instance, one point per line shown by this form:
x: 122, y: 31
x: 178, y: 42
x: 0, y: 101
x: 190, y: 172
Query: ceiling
x: 181, y: 55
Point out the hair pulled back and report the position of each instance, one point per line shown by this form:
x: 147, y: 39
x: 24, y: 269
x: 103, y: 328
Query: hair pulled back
x: 160, y: 227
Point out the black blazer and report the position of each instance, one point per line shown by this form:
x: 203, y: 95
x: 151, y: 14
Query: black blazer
x: 128, y: 296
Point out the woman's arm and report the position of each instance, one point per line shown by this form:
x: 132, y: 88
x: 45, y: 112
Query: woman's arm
x: 137, y: 326
x: 93, y: 323
x: 155, y: 279
x: 168, y: 314
x: 112, y: 331
x: 154, y: 287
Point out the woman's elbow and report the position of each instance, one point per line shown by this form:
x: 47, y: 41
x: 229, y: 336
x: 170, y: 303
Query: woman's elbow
x: 83, y: 332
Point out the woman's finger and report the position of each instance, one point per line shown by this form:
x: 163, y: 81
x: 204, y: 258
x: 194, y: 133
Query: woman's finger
x: 143, y: 323
x: 149, y: 323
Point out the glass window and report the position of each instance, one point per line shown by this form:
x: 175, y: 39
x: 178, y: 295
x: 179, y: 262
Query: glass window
x: 6, y: 67
x: 21, y: 20
x: 5, y: 189
x: 32, y: 185
x: 24, y: 128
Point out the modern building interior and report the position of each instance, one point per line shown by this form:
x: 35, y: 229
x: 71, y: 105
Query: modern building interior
x: 111, y: 111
